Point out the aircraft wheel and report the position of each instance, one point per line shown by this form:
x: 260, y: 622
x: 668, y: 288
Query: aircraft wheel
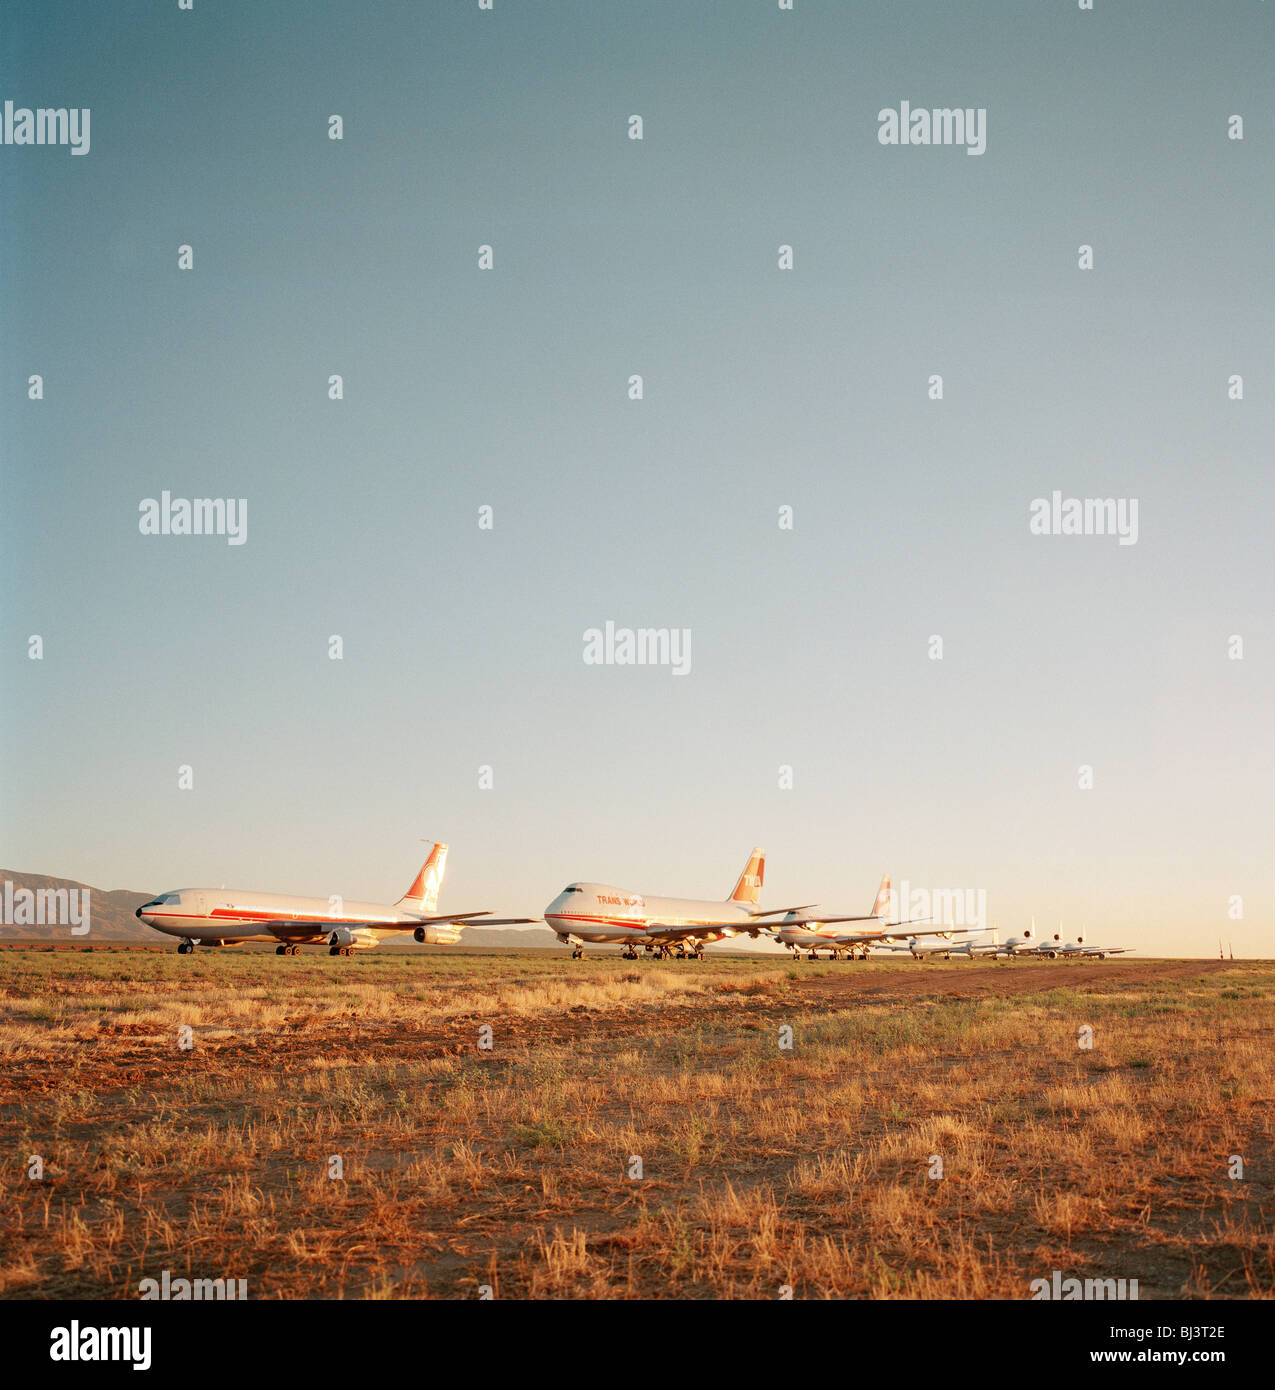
x: 281, y: 950
x: 334, y: 950
x: 184, y: 948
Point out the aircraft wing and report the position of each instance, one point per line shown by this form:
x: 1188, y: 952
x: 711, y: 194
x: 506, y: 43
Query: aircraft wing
x: 296, y: 928
x: 668, y: 931
x: 460, y: 919
x: 832, y: 921
x: 859, y: 938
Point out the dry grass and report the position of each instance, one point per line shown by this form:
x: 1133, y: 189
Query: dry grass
x: 814, y: 1169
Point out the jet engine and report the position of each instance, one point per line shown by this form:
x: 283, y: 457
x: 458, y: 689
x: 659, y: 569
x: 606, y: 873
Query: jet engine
x: 437, y: 934
x: 344, y: 940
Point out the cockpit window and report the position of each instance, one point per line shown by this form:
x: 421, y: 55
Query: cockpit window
x: 575, y: 888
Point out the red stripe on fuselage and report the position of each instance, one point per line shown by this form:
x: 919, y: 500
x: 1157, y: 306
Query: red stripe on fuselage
x: 626, y: 922
x: 227, y: 915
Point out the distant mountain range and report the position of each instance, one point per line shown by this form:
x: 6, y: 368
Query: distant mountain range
x: 110, y: 912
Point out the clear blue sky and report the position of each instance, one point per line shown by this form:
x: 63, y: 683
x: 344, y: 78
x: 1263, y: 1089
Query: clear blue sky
x: 762, y: 388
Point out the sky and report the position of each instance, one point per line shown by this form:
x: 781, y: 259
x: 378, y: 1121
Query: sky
x: 763, y: 388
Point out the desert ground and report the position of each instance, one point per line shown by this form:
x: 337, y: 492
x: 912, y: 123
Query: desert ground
x: 331, y: 1128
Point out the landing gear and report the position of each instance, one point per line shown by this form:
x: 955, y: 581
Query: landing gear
x: 812, y: 956
x: 340, y: 950
x: 286, y: 950
x: 577, y: 953
x: 628, y: 954
x: 184, y: 948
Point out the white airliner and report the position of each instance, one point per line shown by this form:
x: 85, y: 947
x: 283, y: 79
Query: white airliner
x: 1025, y: 945
x: 973, y: 949
x: 599, y: 912
x: 231, y: 916
x: 1058, y: 947
x: 813, y: 929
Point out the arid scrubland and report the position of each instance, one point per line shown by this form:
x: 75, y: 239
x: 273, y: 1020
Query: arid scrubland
x: 340, y: 1128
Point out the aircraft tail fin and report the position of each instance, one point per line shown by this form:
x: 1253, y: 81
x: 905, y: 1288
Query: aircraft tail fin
x: 881, y: 908
x: 748, y: 889
x: 422, y: 896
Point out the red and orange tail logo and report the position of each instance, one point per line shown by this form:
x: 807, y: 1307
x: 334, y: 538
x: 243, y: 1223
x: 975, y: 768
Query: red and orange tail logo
x: 881, y: 908
x: 748, y: 889
x: 422, y: 896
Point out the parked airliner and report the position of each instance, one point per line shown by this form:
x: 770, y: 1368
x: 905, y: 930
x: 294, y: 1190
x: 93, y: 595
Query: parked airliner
x: 1025, y: 945
x: 973, y: 949
x: 231, y: 916
x: 813, y: 929
x: 599, y: 912
x: 1058, y: 947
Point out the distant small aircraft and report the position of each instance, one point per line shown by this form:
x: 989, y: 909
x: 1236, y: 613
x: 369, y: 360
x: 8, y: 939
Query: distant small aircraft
x: 973, y: 949
x: 231, y: 916
x: 1058, y: 947
x: 1024, y: 945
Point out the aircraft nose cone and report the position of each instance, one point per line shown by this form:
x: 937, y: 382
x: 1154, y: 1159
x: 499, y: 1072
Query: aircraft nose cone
x: 138, y: 913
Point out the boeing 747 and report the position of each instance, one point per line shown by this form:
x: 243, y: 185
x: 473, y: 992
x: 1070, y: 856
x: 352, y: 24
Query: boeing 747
x: 231, y: 916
